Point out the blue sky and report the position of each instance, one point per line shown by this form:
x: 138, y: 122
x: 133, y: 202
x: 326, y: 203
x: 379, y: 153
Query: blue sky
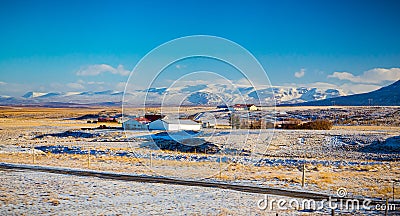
x: 92, y: 45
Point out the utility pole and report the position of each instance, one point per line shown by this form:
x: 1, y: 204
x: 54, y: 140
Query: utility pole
x: 370, y: 101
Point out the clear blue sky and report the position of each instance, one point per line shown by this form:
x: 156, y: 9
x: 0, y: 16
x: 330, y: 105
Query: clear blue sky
x: 44, y: 44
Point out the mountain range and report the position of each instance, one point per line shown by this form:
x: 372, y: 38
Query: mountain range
x: 385, y: 96
x: 209, y: 94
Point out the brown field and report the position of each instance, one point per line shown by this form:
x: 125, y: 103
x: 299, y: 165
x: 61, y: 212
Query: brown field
x: 366, y: 128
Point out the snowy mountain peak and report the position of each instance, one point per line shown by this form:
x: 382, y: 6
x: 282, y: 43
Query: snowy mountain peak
x: 197, y: 94
x: 33, y: 94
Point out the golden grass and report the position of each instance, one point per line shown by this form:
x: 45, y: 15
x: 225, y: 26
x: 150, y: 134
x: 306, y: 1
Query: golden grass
x: 368, y: 180
x: 357, y: 180
x: 365, y: 128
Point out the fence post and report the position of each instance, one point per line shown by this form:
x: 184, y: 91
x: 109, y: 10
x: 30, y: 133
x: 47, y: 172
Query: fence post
x: 393, y: 190
x: 151, y: 159
x: 387, y: 207
x: 220, y: 167
x: 33, y: 154
x: 303, y: 178
x: 88, y: 158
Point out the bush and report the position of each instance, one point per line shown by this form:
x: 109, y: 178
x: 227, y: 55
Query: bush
x: 319, y: 124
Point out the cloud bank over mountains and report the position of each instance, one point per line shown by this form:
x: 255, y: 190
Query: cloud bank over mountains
x: 369, y: 80
x: 97, y: 69
x: 373, y: 76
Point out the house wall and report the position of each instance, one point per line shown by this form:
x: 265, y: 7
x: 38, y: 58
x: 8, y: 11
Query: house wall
x: 173, y: 127
x: 241, y: 108
x: 161, y: 125
x: 133, y: 125
x: 189, y: 127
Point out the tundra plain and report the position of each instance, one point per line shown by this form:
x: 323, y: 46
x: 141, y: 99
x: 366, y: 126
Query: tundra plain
x: 362, y: 159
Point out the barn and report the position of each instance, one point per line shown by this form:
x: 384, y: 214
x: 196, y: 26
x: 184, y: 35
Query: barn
x: 174, y: 125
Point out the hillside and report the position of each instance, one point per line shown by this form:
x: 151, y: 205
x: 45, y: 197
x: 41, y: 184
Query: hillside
x: 385, y: 96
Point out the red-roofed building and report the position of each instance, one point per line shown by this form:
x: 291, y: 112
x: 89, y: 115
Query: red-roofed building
x: 142, y: 120
x: 139, y: 123
x: 153, y: 117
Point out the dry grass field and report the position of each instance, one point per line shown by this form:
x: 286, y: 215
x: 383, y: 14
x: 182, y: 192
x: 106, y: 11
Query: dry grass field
x: 17, y: 124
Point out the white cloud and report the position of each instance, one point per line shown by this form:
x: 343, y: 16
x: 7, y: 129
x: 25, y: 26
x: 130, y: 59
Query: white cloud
x: 94, y: 70
x: 120, y: 86
x: 95, y: 83
x: 180, y: 66
x: 373, y: 76
x: 3, y: 83
x: 324, y: 85
x: 300, y: 73
x: 75, y: 86
x: 359, y: 88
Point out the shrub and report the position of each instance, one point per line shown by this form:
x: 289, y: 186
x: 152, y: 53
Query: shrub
x: 319, y: 124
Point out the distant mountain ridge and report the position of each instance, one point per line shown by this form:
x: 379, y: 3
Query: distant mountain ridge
x: 200, y: 94
x: 385, y: 96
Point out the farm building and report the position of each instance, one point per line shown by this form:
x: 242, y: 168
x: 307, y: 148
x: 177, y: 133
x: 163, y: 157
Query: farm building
x: 253, y: 107
x: 217, y: 124
x: 240, y: 107
x: 153, y: 117
x: 139, y: 123
x: 174, y: 124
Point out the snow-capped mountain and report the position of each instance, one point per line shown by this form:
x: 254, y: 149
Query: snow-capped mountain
x: 202, y: 94
x: 385, y: 96
x: 33, y: 94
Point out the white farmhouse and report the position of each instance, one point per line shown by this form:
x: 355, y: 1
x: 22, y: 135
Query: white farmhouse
x: 174, y: 124
x: 136, y: 124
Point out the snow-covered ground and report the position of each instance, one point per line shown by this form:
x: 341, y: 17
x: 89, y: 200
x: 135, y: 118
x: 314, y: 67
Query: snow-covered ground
x: 35, y: 193
x: 364, y: 162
